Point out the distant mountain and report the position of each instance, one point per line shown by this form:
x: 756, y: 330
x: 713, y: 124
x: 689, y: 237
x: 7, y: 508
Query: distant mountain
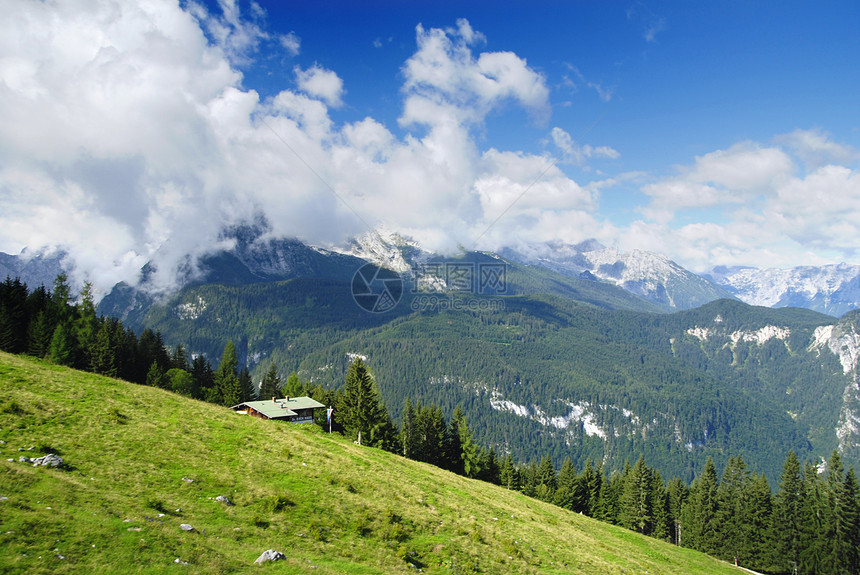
x: 33, y: 269
x: 830, y: 289
x: 651, y: 276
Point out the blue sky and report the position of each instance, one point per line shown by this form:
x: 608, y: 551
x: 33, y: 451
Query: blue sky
x: 715, y: 133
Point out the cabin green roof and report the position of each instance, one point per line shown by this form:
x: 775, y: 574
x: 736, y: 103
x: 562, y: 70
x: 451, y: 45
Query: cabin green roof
x: 280, y: 408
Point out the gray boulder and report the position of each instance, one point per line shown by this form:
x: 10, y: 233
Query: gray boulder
x: 224, y: 499
x: 50, y: 460
x: 270, y: 555
x: 186, y: 527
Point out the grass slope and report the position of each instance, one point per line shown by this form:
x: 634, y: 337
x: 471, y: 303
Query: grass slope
x: 329, y: 505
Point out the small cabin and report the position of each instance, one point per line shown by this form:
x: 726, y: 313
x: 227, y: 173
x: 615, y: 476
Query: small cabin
x: 293, y: 409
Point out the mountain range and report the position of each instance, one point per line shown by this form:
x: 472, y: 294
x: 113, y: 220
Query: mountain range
x: 550, y: 350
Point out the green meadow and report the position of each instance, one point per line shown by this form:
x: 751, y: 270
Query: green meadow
x: 141, y: 462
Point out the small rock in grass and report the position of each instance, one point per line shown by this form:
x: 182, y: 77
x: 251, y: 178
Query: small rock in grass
x: 270, y: 555
x: 23, y: 459
x: 186, y: 527
x: 179, y: 561
x: 4, y: 498
x: 50, y: 460
x: 187, y: 480
x: 224, y: 499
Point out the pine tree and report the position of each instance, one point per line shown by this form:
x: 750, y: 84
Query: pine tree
x: 227, y: 385
x: 360, y: 409
x: 62, y: 348
x: 409, y: 437
x: 699, y: 512
x: 293, y: 387
x: 757, y: 550
x: 788, y: 516
x: 204, y: 377
x: 593, y: 482
x: 677, y: 494
x: 271, y: 386
x: 635, y: 505
x: 848, y: 522
x: 545, y: 480
x: 731, y: 519
x: 14, y: 319
x: 103, y: 354
x: 508, y: 474
x: 85, y: 327
x: 179, y: 359
x: 155, y: 377
x: 566, y: 490
x: 662, y: 524
x: 813, y: 554
x: 246, y: 385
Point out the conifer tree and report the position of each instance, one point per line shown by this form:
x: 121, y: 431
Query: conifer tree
x: 155, y: 377
x: 567, y: 483
x: 246, y: 385
x: 848, y: 523
x: 508, y: 474
x: 204, y: 377
x: 409, y: 437
x: 545, y: 480
x: 699, y: 512
x: 788, y: 516
x: 360, y: 409
x: 293, y: 387
x: 271, y: 386
x: 103, y: 355
x: 676, y: 495
x: 731, y: 518
x: 227, y: 385
x: 635, y: 506
x: 593, y: 483
x: 62, y: 348
x: 813, y: 554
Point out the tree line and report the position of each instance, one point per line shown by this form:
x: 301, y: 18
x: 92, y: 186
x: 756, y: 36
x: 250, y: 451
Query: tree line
x: 811, y: 524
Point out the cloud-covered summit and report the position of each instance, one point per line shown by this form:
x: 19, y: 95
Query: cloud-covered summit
x: 132, y: 132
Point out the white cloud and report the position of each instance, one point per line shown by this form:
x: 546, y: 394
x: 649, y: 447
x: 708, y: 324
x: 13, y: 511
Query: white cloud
x: 320, y: 83
x: 445, y: 76
x: 126, y: 136
x: 574, y: 153
x: 291, y: 43
x: 815, y: 148
x: 772, y: 212
x: 724, y: 177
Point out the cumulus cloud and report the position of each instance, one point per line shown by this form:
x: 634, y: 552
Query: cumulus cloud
x: 445, y: 81
x: 126, y: 136
x: 321, y: 83
x: 769, y: 206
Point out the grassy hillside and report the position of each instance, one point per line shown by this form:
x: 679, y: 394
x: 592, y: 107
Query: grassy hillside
x: 328, y: 504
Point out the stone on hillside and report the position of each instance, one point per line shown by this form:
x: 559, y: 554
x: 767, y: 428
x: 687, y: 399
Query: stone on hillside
x: 50, y: 460
x: 186, y: 527
x: 224, y: 499
x: 270, y: 555
x: 23, y: 459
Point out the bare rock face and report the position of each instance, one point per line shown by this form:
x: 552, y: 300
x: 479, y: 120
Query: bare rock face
x: 270, y: 555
